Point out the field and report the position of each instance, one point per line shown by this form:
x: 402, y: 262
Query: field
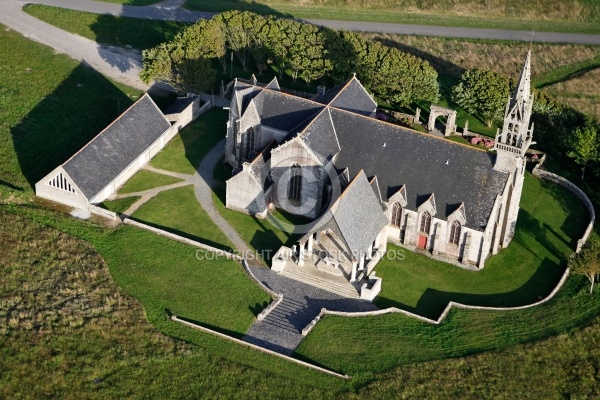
x: 539, y: 15
x: 107, y: 29
x: 69, y: 327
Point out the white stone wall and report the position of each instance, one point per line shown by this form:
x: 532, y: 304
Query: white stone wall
x: 244, y: 193
x: 44, y: 190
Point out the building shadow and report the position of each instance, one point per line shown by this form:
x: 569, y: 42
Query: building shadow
x: 65, y: 120
x: 433, y: 302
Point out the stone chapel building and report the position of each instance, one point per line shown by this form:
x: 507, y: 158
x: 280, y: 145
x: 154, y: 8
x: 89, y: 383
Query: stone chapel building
x: 456, y: 202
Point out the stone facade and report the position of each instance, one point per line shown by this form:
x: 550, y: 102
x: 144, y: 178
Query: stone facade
x: 433, y: 207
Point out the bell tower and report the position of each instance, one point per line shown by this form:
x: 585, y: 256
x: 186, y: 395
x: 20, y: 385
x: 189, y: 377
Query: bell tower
x: 516, y: 136
x: 511, y: 144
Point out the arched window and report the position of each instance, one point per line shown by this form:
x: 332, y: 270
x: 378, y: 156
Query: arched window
x: 425, y: 222
x: 396, y: 214
x: 250, y: 140
x: 455, y: 232
x: 295, y: 184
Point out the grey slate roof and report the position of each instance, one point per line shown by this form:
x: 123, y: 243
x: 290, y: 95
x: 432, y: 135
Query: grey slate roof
x: 283, y: 111
x: 100, y: 161
x: 350, y: 96
x: 399, y: 156
x: 396, y: 156
x: 356, y: 216
x: 179, y: 105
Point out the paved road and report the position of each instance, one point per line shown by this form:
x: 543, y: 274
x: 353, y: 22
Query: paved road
x: 168, y: 10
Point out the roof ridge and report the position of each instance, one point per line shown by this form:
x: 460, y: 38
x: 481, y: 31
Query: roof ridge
x: 411, y: 130
x: 341, y: 90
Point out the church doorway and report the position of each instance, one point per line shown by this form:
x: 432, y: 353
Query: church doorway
x: 422, y: 242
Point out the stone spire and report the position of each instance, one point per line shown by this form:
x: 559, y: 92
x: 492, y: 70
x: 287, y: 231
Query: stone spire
x: 516, y: 135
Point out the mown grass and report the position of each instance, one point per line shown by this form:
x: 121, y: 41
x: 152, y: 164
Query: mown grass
x: 178, y: 211
x: 120, y: 205
x: 559, y: 16
x: 551, y: 220
x: 68, y: 330
x: 185, y: 151
x: 145, y: 180
x: 108, y: 29
x: 45, y: 95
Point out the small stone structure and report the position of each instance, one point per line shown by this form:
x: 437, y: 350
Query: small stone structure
x: 437, y: 111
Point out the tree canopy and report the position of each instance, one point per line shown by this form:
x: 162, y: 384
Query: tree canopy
x: 585, y: 146
x: 298, y: 49
x: 482, y: 92
x: 587, y: 262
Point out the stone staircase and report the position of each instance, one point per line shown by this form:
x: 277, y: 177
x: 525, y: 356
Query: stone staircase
x: 345, y: 289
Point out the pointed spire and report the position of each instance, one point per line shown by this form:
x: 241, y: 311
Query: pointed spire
x: 523, y: 89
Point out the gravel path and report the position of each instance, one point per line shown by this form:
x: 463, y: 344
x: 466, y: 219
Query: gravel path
x: 281, y: 330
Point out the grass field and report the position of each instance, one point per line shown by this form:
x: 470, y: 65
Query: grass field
x: 145, y: 180
x: 550, y: 220
x: 107, y: 29
x: 68, y: 330
x: 184, y: 151
x: 48, y: 95
x: 178, y: 211
x: 120, y: 205
x: 558, y: 16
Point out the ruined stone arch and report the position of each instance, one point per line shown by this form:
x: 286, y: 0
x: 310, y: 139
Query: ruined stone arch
x: 437, y: 111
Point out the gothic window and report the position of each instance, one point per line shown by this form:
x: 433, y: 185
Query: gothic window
x: 455, y: 229
x: 425, y: 222
x: 250, y: 140
x: 295, y: 184
x: 396, y: 214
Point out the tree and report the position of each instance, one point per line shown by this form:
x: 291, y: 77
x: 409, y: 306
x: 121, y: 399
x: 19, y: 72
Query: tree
x: 585, y: 146
x: 587, y: 262
x: 482, y: 92
x: 193, y: 76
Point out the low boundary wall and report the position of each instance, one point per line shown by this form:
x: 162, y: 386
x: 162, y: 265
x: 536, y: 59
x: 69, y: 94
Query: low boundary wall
x: 537, y: 171
x: 261, y: 349
x: 182, y: 239
x: 449, y: 307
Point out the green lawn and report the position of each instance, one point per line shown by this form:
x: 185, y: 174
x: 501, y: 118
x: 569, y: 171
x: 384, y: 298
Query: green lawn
x: 145, y: 180
x: 44, y: 95
x: 363, y: 12
x: 69, y: 330
x: 107, y: 29
x: 550, y: 221
x: 178, y: 211
x: 185, y: 151
x: 120, y: 205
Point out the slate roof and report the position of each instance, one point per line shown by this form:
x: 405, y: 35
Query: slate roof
x: 356, y: 216
x: 424, y: 163
x: 350, y: 96
x: 179, y: 105
x: 283, y: 111
x: 339, y: 126
x: 100, y: 161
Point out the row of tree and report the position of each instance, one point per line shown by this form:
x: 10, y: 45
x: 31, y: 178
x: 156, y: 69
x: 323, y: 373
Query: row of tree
x: 303, y: 51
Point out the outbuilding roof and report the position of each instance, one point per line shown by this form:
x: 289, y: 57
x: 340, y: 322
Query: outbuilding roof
x: 107, y: 155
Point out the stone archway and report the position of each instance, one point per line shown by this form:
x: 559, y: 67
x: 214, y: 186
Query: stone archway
x: 437, y: 111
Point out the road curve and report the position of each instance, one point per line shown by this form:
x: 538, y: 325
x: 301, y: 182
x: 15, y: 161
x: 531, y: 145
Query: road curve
x: 163, y: 11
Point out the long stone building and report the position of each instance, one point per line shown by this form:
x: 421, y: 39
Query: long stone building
x: 457, y: 202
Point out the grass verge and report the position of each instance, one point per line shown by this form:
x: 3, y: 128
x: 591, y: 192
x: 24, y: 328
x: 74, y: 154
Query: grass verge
x: 145, y: 180
x: 185, y: 151
x: 396, y: 13
x: 178, y: 211
x: 108, y: 29
x: 120, y: 205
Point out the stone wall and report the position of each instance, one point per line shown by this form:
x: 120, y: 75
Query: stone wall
x: 537, y: 171
x: 394, y: 310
